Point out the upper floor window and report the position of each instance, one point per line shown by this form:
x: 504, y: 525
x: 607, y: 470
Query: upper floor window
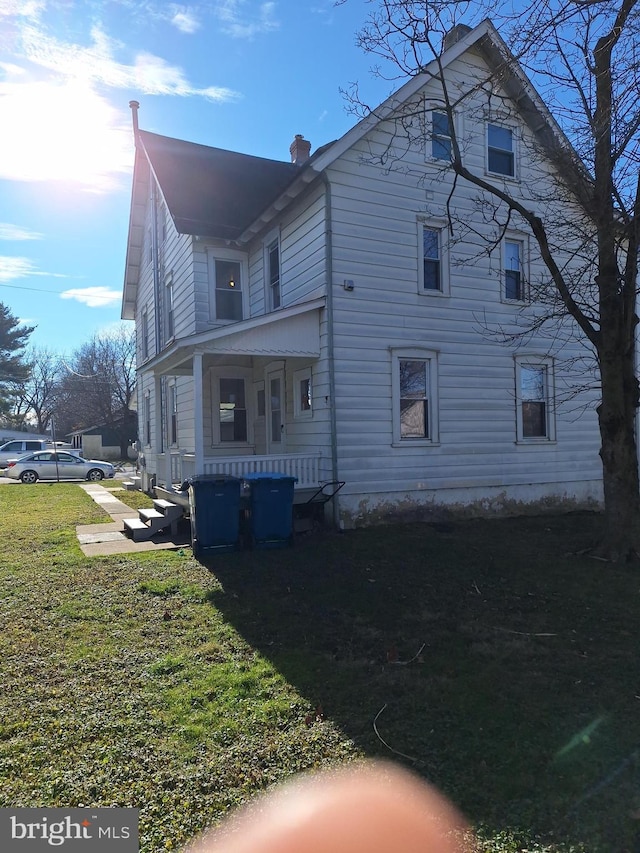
x: 534, y: 393
x: 144, y: 334
x: 169, y: 313
x: 273, y: 273
x: 500, y: 150
x: 441, y: 134
x: 415, y: 406
x: 432, y: 259
x: 227, y: 274
x: 513, y: 273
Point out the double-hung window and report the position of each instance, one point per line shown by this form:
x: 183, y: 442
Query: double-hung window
x: 233, y: 406
x: 432, y: 259
x: 227, y: 276
x: 168, y: 290
x: 273, y: 273
x: 415, y: 405
x: 441, y: 135
x: 173, y: 414
x: 513, y: 272
x: 501, y: 150
x: 534, y: 395
x: 144, y: 334
x: 302, y: 393
x: 146, y: 418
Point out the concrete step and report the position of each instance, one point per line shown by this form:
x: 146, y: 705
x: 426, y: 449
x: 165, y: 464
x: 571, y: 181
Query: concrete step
x: 137, y: 529
x: 153, y: 520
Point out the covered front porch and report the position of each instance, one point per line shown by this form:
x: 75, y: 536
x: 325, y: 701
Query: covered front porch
x: 247, y: 397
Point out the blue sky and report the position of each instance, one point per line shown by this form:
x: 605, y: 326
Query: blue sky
x: 239, y: 74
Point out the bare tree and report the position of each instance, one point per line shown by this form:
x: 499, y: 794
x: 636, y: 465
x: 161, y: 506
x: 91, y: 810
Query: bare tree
x: 98, y: 387
x: 584, y: 58
x: 36, y: 395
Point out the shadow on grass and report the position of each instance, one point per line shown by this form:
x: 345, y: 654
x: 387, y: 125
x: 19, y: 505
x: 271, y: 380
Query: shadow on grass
x: 488, y: 656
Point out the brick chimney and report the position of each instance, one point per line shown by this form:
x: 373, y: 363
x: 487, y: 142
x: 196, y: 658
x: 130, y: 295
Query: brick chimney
x: 300, y: 149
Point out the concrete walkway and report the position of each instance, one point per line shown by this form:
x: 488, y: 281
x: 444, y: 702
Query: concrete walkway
x: 98, y: 540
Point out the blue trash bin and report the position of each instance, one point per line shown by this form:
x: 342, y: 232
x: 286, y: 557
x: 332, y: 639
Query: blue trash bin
x: 270, y: 509
x: 214, y: 504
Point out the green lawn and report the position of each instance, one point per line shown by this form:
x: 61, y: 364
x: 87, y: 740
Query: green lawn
x: 489, y: 656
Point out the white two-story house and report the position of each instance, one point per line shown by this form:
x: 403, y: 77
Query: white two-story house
x: 328, y: 318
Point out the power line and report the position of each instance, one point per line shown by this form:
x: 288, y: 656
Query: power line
x: 34, y: 289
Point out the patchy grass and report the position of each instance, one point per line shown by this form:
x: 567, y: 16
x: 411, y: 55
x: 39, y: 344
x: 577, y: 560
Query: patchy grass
x: 488, y: 656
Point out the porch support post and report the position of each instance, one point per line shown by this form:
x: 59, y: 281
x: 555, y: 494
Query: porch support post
x: 198, y: 413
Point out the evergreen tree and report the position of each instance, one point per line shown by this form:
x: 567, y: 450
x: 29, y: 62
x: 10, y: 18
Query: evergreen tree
x: 13, y: 368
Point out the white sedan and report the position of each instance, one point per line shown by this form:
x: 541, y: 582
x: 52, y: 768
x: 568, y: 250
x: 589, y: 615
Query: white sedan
x: 49, y: 465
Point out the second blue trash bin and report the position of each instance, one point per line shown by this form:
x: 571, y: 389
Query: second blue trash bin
x: 270, y: 509
x: 214, y: 504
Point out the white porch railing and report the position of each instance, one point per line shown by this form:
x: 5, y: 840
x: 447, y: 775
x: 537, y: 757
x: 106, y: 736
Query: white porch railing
x: 305, y: 467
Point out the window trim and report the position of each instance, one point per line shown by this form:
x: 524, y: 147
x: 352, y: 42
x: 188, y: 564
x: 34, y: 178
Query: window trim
x: 214, y: 254
x: 169, y: 308
x: 523, y: 241
x: 443, y: 246
x: 502, y: 125
x: 547, y: 363
x: 144, y: 334
x: 146, y: 418
x: 299, y: 376
x: 432, y: 136
x: 172, y: 415
x: 430, y: 357
x: 271, y: 239
x: 216, y: 374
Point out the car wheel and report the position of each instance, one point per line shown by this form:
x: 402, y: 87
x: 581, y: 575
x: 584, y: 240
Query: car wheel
x: 95, y: 474
x: 28, y: 477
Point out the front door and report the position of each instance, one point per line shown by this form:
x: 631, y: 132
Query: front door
x: 274, y: 394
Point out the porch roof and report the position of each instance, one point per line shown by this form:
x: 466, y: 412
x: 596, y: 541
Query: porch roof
x: 288, y: 332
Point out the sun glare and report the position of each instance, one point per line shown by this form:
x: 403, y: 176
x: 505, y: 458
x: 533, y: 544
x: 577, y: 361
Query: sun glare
x: 62, y: 132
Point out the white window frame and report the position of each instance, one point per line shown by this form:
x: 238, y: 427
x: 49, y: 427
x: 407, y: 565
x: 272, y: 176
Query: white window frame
x: 300, y: 376
x: 443, y: 248
x: 169, y: 312
x: 546, y: 363
x: 214, y: 254
x: 146, y: 419
x: 273, y: 238
x: 430, y: 359
x: 217, y: 374
x: 523, y: 241
x: 172, y: 415
x: 260, y: 400
x: 431, y: 135
x: 144, y: 334
x: 504, y: 125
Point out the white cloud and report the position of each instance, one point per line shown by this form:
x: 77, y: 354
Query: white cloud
x: 12, y: 268
x: 149, y: 74
x: 15, y: 232
x: 184, y: 19
x: 93, y: 297
x: 240, y: 20
x: 21, y: 8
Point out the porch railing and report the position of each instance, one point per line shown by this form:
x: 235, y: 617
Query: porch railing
x: 304, y: 466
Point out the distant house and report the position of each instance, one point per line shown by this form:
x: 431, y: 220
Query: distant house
x: 100, y: 442
x: 314, y: 317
